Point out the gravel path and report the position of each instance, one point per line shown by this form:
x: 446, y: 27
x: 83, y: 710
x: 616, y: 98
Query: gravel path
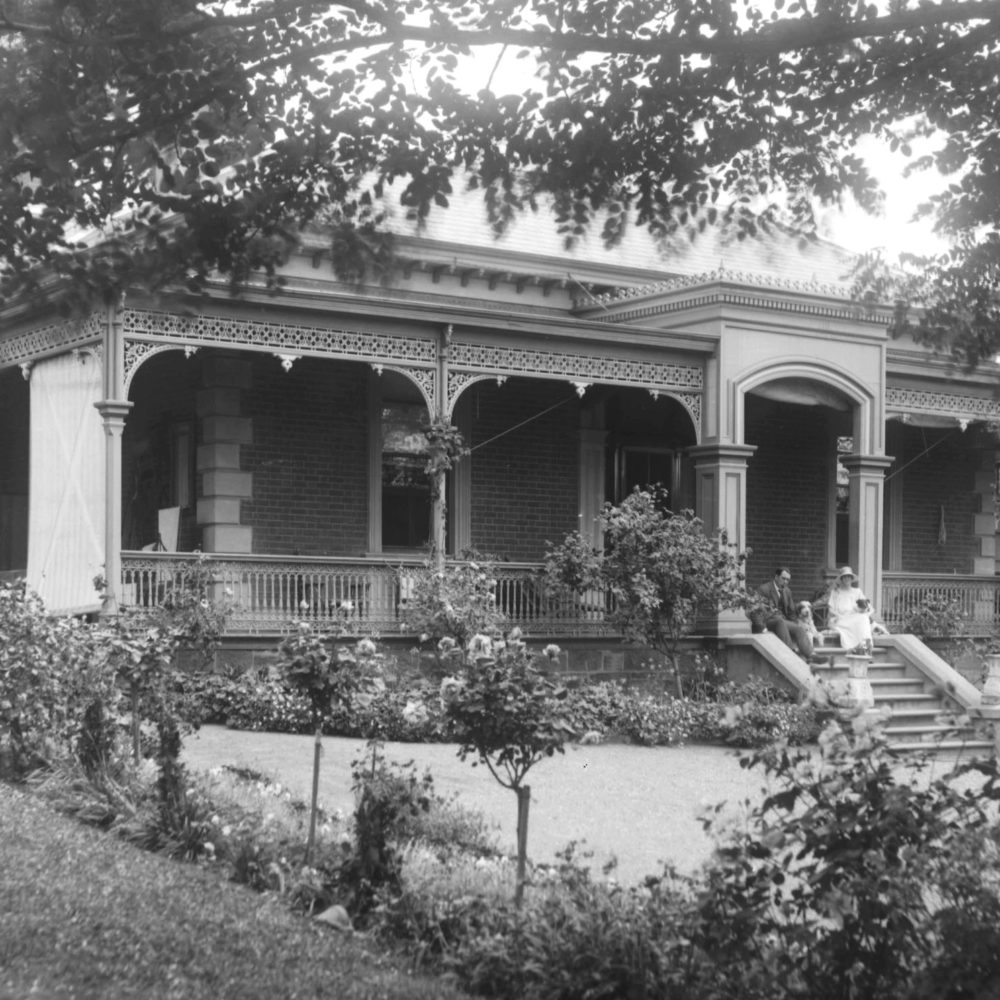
x: 637, y: 804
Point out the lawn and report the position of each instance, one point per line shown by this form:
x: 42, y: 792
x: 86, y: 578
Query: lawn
x: 85, y: 915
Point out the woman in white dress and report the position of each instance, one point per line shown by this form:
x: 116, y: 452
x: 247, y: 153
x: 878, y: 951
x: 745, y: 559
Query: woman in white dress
x: 851, y: 612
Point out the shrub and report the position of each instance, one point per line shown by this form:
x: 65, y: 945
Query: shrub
x: 457, y: 602
x: 852, y: 878
x: 51, y: 671
x: 935, y: 617
x: 574, y: 938
x: 662, y: 570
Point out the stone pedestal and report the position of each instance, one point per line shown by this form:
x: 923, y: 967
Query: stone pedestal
x: 859, y: 688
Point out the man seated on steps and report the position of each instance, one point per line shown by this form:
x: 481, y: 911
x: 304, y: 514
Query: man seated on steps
x: 775, y: 612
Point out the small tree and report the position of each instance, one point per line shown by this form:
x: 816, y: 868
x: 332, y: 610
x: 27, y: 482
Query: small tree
x: 329, y: 675
x: 661, y: 570
x: 507, y: 715
x: 458, y: 602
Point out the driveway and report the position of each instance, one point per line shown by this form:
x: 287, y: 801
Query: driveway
x: 637, y: 804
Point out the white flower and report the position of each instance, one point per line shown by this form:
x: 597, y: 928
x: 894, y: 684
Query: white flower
x: 209, y: 848
x: 552, y: 651
x: 366, y: 647
x: 447, y: 644
x: 226, y: 830
x: 451, y: 688
x: 415, y: 713
x: 480, y: 645
x: 303, y: 606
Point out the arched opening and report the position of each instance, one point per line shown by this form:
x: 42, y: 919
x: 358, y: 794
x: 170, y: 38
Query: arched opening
x: 401, y: 477
x: 797, y: 491
x: 158, y: 456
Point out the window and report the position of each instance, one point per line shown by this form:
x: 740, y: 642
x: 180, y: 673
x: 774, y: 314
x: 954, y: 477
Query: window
x: 645, y: 468
x: 406, y: 487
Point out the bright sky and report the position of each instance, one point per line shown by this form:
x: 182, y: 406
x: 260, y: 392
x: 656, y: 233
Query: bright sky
x: 894, y: 231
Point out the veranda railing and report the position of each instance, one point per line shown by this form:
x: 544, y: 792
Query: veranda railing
x: 976, y: 598
x: 269, y: 593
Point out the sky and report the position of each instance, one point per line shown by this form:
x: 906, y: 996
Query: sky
x: 894, y: 231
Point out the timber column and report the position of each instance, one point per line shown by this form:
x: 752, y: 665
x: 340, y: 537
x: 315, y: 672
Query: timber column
x: 113, y: 408
x: 866, y: 479
x: 721, y: 502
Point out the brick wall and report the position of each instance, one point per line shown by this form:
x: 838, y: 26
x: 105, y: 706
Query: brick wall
x: 524, y: 484
x: 944, y: 476
x: 309, y: 458
x: 788, y: 490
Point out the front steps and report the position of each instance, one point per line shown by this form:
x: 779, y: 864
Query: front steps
x: 925, y: 696
x: 924, y: 711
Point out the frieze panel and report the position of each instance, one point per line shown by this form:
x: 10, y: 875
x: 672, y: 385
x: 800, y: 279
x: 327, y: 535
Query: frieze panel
x: 281, y: 338
x: 829, y: 289
x: 945, y: 404
x: 50, y: 338
x: 750, y: 300
x: 575, y: 366
x: 691, y: 401
x: 138, y: 351
x: 425, y: 378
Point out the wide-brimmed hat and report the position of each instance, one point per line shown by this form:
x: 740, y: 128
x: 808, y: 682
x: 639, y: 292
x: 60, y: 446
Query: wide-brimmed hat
x: 846, y: 571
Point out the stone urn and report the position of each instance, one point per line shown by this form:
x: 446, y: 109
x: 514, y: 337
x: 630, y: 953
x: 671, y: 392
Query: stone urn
x: 991, y: 683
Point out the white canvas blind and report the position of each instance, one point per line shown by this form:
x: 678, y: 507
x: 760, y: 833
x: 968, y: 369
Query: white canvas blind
x: 66, y: 493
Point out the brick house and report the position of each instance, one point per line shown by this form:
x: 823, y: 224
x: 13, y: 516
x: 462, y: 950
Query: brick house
x: 281, y: 434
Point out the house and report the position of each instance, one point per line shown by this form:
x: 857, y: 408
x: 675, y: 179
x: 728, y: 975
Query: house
x: 282, y: 433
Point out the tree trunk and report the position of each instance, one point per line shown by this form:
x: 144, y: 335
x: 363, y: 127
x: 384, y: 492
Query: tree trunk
x: 523, y: 802
x: 317, y: 749
x: 136, y: 734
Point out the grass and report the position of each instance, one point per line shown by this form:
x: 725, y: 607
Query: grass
x: 85, y: 915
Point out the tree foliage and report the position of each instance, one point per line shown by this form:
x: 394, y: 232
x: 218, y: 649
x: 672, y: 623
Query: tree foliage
x: 197, y: 136
x: 662, y: 571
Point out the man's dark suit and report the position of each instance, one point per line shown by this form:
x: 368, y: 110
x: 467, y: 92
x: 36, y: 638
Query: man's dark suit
x: 777, y: 615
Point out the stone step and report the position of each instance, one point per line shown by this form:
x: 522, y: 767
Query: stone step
x: 972, y: 746
x: 916, y: 718
x: 909, y: 703
x: 900, y: 687
x: 925, y: 731
x: 879, y: 671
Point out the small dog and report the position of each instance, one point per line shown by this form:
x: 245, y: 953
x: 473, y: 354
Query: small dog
x: 804, y: 617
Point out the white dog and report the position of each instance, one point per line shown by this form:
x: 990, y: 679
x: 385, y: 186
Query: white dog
x: 804, y: 617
